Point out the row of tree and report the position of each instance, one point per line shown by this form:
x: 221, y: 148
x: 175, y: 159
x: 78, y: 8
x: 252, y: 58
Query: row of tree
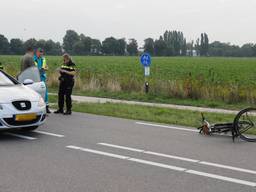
x: 73, y: 43
x: 227, y: 50
x: 18, y: 47
x: 82, y: 45
x: 171, y: 43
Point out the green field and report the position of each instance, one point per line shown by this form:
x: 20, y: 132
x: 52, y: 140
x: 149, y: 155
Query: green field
x: 196, y: 81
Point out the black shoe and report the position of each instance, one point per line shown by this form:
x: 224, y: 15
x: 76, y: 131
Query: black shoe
x: 68, y: 112
x: 59, y: 111
x: 48, y: 110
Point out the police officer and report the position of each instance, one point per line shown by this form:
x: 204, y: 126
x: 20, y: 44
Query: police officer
x: 40, y: 62
x: 1, y: 66
x: 67, y: 81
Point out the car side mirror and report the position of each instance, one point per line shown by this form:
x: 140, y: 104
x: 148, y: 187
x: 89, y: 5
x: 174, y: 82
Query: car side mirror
x: 28, y: 82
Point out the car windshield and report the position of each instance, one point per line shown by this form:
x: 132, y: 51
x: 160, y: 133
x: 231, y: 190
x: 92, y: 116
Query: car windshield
x: 6, y: 80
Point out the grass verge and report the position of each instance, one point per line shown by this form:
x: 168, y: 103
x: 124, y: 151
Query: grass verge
x: 151, y: 114
x: 159, y: 99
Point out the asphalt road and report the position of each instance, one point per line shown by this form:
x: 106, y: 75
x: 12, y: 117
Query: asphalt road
x: 89, y: 153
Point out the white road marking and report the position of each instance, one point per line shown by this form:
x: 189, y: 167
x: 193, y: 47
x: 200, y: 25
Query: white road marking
x: 157, y: 164
x: 149, y: 152
x: 167, y: 127
x: 171, y: 156
x: 228, y: 167
x: 21, y: 136
x: 223, y: 178
x: 97, y: 152
x: 50, y: 134
x: 165, y: 166
x: 121, y: 147
x: 180, y: 158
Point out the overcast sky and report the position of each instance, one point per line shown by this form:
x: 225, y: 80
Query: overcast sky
x: 225, y: 20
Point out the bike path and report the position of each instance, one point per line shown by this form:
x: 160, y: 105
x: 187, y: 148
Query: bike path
x: 170, y: 106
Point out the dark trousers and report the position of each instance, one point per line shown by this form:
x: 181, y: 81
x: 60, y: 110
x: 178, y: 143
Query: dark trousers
x: 65, y: 92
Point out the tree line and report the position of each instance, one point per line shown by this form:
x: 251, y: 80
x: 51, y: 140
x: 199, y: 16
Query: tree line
x: 170, y: 43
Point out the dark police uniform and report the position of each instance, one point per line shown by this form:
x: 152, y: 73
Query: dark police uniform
x: 66, y: 86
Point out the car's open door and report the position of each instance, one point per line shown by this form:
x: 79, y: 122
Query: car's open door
x: 31, y: 78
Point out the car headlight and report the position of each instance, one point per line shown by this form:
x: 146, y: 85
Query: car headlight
x: 41, y: 102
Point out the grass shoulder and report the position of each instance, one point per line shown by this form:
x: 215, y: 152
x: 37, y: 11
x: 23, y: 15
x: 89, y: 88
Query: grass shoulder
x: 135, y: 96
x: 151, y: 114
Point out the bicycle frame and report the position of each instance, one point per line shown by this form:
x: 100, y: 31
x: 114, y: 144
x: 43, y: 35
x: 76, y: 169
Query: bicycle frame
x: 238, y: 127
x: 208, y: 129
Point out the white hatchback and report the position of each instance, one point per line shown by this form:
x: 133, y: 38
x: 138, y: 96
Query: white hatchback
x: 21, y: 101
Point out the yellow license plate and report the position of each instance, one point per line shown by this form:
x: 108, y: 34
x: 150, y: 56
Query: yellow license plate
x: 25, y: 117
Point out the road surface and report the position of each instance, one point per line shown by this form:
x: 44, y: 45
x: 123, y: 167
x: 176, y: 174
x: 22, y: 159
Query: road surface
x: 89, y: 153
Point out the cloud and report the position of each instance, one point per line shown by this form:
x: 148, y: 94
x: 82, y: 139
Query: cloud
x: 120, y: 6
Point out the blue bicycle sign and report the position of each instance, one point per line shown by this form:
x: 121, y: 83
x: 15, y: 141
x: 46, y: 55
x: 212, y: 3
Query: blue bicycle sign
x: 145, y: 59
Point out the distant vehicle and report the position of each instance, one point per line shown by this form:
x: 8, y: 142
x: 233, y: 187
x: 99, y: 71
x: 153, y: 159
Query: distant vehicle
x: 21, y: 101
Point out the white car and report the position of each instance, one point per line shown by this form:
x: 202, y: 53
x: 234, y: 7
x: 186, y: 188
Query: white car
x: 21, y: 104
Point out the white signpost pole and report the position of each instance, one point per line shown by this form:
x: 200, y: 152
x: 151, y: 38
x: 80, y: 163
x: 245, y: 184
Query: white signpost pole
x: 147, y: 71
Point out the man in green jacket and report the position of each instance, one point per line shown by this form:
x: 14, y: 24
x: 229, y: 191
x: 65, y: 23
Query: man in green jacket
x: 27, y: 60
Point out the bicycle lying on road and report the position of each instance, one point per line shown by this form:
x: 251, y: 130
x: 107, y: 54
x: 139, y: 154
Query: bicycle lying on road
x: 243, y: 126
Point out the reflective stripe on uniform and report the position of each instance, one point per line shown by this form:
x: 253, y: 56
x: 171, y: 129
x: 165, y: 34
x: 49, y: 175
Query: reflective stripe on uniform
x: 67, y: 67
x: 44, y: 65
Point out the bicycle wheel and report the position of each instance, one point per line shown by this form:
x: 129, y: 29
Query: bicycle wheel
x: 245, y: 124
